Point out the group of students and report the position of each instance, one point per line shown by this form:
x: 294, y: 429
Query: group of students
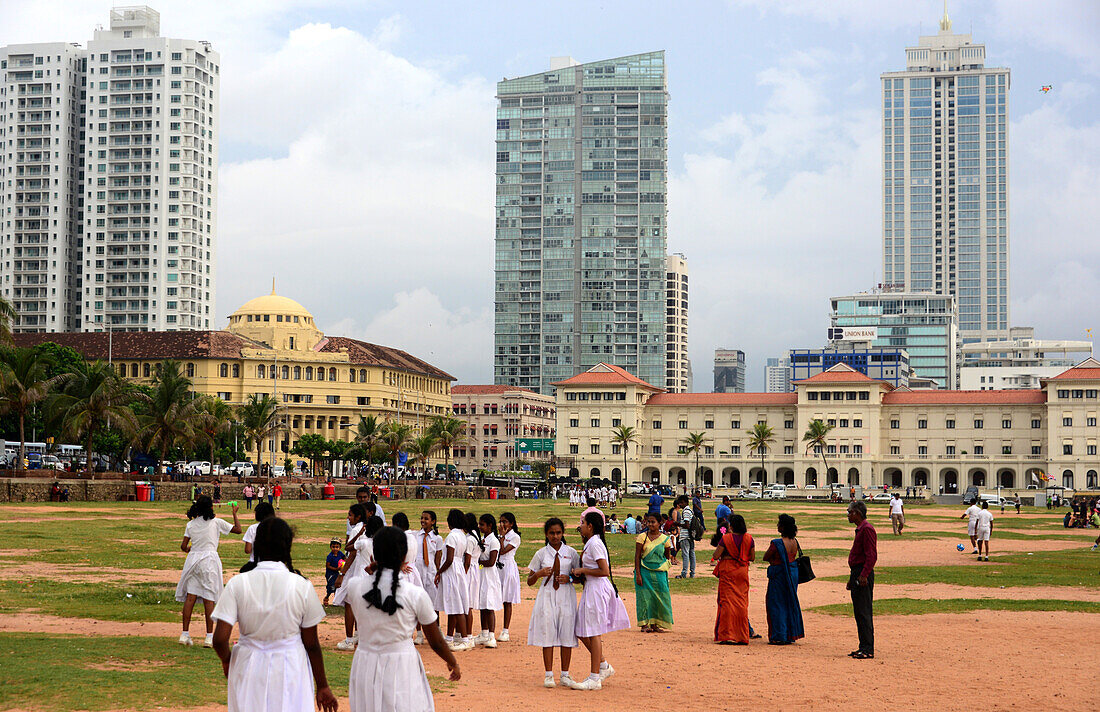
x: 579, y: 496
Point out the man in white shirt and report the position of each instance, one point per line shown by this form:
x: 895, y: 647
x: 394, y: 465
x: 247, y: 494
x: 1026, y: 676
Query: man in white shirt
x: 897, y: 514
x: 983, y: 529
x: 972, y: 513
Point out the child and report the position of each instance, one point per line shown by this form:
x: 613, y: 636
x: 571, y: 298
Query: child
x: 491, y: 598
x: 408, y: 571
x: 387, y: 675
x: 454, y: 592
x: 509, y: 574
x: 429, y: 553
x: 333, y: 562
x: 354, y: 566
x: 263, y: 511
x: 601, y: 610
x: 201, y: 577
x: 476, y: 547
x: 278, y: 657
x: 555, y: 611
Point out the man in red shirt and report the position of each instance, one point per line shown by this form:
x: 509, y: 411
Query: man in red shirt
x: 861, y: 561
x: 278, y: 492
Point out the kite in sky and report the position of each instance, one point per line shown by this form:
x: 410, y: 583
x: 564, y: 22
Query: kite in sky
x: 1045, y: 88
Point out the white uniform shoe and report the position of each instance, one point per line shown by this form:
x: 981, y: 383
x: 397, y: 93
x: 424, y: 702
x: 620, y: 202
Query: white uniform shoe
x: 503, y: 636
x: 185, y: 639
x: 459, y: 645
x: 606, y: 672
x: 208, y: 642
x: 587, y: 684
x: 346, y: 644
x: 490, y: 642
x: 548, y: 681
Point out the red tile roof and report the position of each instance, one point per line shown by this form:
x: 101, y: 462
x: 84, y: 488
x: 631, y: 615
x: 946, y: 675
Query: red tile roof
x: 1087, y: 370
x: 1036, y: 397
x: 486, y: 390
x: 604, y: 374
x: 723, y: 399
x: 146, y: 344
x: 367, y: 354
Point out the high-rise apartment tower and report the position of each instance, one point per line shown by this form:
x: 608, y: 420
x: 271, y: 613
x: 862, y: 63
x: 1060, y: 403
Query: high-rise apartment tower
x: 581, y: 221
x: 677, y: 366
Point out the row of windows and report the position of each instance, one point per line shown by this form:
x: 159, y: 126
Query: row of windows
x: 1064, y: 394
x: 1006, y: 424
x: 264, y: 371
x: 615, y: 395
x: 838, y: 395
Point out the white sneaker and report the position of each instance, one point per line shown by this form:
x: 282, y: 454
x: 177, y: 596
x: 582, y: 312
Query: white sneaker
x: 503, y: 638
x: 208, y: 642
x: 566, y: 680
x: 185, y: 639
x: 346, y: 644
x: 460, y: 645
x: 549, y: 681
x: 480, y: 638
x: 606, y: 672
x: 588, y: 684
x: 419, y: 640
x: 490, y: 642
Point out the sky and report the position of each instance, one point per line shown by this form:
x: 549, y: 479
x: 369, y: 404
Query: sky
x: 357, y: 154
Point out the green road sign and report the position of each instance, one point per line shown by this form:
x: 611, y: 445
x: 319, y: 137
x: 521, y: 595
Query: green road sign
x: 535, y: 445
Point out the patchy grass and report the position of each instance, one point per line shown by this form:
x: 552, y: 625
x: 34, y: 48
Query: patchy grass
x: 924, y: 606
x: 101, y: 601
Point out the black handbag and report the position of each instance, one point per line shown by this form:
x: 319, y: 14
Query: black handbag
x: 805, y: 570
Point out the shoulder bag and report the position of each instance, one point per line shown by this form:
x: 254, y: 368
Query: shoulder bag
x: 805, y: 570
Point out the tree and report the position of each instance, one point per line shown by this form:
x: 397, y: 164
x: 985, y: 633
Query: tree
x: 90, y: 397
x: 817, y: 437
x: 215, y: 418
x: 423, y: 446
x: 450, y: 432
x: 693, y: 443
x: 174, y: 417
x: 24, y: 382
x: 760, y: 438
x: 257, y: 415
x: 396, y: 437
x: 623, y: 436
x: 367, y: 432
x: 312, y: 446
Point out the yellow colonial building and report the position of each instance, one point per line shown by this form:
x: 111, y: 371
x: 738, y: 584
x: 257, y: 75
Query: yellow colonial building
x: 323, y: 384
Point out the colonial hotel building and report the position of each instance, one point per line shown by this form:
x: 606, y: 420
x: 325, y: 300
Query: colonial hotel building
x: 323, y: 383
x: 881, y: 434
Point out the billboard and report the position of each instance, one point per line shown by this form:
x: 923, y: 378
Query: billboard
x: 853, y: 333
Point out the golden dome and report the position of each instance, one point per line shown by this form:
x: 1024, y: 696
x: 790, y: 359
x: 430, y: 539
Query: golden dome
x: 273, y: 304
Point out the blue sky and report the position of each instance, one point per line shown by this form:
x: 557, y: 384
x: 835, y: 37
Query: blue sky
x: 357, y: 153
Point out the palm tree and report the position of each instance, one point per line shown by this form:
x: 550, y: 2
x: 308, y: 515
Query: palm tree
x: 174, y: 416
x: 623, y: 435
x: 91, y: 396
x: 817, y: 437
x: 215, y: 418
x: 396, y: 437
x: 23, y: 383
x: 258, y: 418
x: 450, y: 432
x: 422, y: 447
x: 693, y: 443
x: 366, y: 434
x: 760, y: 438
x: 7, y: 318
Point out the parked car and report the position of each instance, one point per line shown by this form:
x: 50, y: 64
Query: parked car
x: 970, y: 495
x: 278, y: 471
x: 202, y: 467
x: 665, y: 490
x: 637, y: 488
x: 775, y: 492
x: 881, y: 497
x: 748, y: 494
x: 755, y: 485
x: 244, y: 469
x: 51, y: 462
x: 809, y: 486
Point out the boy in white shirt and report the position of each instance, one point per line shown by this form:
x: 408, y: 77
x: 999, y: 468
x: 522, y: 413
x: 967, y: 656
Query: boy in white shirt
x: 983, y: 529
x: 897, y: 513
x: 972, y: 513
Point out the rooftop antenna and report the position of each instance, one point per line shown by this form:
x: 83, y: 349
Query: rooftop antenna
x: 272, y: 284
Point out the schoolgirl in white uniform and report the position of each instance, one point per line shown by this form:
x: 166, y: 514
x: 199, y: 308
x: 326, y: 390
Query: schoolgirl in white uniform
x: 359, y: 556
x: 272, y: 667
x: 408, y: 571
x: 476, y: 547
x: 555, y: 613
x: 491, y: 599
x: 454, y: 592
x: 387, y: 674
x: 201, y: 577
x: 509, y: 574
x: 601, y: 610
x: 429, y: 552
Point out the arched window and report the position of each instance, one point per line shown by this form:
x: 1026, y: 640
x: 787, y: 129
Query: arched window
x: 286, y: 373
x: 223, y: 370
x: 145, y: 370
x: 133, y: 370
x: 236, y: 370
x: 332, y: 374
x: 297, y: 373
x: 309, y: 373
x: 362, y: 375
x: 261, y: 371
x: 351, y: 375
x: 190, y: 370
x: 122, y: 370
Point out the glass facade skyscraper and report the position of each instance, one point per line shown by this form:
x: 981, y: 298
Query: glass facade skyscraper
x: 945, y: 180
x: 581, y: 221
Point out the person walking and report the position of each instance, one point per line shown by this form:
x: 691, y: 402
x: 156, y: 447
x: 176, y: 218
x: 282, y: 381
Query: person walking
x: 971, y: 514
x: 1016, y: 502
x: 683, y: 516
x: 697, y: 509
x: 655, y: 502
x: 861, y: 561
x: 897, y: 513
x: 983, y: 529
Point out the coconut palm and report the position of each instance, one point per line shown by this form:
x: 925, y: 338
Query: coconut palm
x: 623, y: 435
x: 366, y: 434
x: 215, y: 418
x: 760, y: 439
x: 693, y: 443
x: 395, y: 437
x: 24, y: 381
x: 174, y: 417
x: 450, y: 432
x: 7, y: 318
x: 258, y: 418
x: 422, y: 447
x: 91, y: 396
x: 817, y: 437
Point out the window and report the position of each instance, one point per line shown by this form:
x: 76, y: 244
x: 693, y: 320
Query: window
x: 362, y: 400
x: 1006, y: 449
x: 1063, y: 394
x: 261, y: 371
x: 735, y: 425
x: 825, y: 395
x: 922, y: 449
x: 595, y: 448
x: 351, y: 375
x: 1067, y: 449
x: 812, y: 395
x: 656, y: 449
x: 895, y: 424
x: 1036, y: 449
x: 1006, y: 424
x: 616, y: 422
x: 574, y: 422
x: 949, y: 450
x: 832, y: 422
x: 788, y: 424
x: 1091, y: 421
x: 922, y: 423
x: 787, y: 449
x: 895, y: 450
x: 708, y: 424
x: 297, y: 373
x: 979, y: 449
x: 865, y: 395
x: 362, y: 375
x: 190, y: 370
x: 225, y: 395
x: 309, y: 373
x: 595, y: 422
x: 656, y: 425
x: 1067, y: 422
x: 949, y: 424
x: 857, y: 423
x: 236, y: 370
x: 223, y: 370
x: 616, y: 449
x: 683, y: 425
x: 332, y: 400
x: 844, y: 422
x: 574, y: 449
x: 735, y: 449
x: 1090, y: 449
x: 1036, y: 423
x: 145, y: 370
x: 979, y: 423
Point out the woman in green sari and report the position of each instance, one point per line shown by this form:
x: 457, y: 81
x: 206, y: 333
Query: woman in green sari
x: 652, y: 552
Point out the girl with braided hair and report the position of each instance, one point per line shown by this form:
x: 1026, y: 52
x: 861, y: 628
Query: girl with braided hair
x: 492, y: 597
x: 476, y: 546
x: 387, y: 674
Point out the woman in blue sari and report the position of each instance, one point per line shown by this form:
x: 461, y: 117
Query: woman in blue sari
x: 784, y: 614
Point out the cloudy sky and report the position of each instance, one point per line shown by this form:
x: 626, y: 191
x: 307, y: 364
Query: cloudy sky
x: 357, y: 153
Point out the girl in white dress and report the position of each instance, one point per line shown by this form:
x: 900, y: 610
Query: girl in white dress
x: 491, y: 599
x: 601, y: 610
x: 359, y: 555
x: 278, y: 657
x: 201, y: 577
x: 555, y: 611
x: 476, y: 547
x: 454, y: 592
x: 263, y: 511
x: 387, y: 674
x: 509, y: 574
x: 408, y: 571
x: 429, y: 554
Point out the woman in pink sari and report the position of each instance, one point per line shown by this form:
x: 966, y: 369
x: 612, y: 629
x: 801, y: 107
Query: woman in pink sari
x: 734, y: 550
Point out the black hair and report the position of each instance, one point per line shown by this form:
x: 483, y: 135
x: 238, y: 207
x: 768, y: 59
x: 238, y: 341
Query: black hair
x: 435, y: 520
x: 552, y: 521
x: 456, y: 519
x: 390, y: 548
x: 737, y: 524
x: 511, y: 519
x: 263, y: 511
x: 787, y: 527
x: 371, y: 507
x: 372, y: 526
x: 591, y: 501
x: 985, y: 504
x: 595, y: 520
x: 359, y: 511
x: 681, y: 501
x: 647, y: 515
x: 492, y: 522
x: 401, y: 521
x: 273, y: 541
x: 471, y: 528
x: 362, y: 490
x: 203, y: 507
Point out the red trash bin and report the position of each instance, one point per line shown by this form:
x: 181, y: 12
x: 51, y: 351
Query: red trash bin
x: 384, y: 492
x: 492, y: 493
x: 143, y: 492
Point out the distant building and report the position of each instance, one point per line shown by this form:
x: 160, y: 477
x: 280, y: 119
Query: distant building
x: 676, y: 325
x: 1020, y: 362
x: 729, y: 371
x: 926, y: 325
x: 882, y: 363
x: 503, y: 424
x: 777, y: 375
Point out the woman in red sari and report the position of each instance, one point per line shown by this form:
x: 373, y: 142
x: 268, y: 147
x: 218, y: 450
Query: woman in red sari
x: 734, y: 549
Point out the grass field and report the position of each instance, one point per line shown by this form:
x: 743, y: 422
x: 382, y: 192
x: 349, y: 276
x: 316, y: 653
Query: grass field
x: 117, y: 563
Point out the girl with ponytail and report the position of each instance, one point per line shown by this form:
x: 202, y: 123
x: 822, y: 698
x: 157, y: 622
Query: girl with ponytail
x: 601, y: 610
x: 509, y: 571
x: 387, y: 674
x: 492, y: 597
x: 476, y: 547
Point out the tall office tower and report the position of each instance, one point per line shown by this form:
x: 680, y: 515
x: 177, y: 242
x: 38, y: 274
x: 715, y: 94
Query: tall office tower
x: 777, y: 375
x: 41, y: 132
x: 151, y: 186
x: 677, y: 367
x: 581, y: 221
x: 945, y: 180
x: 729, y: 371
